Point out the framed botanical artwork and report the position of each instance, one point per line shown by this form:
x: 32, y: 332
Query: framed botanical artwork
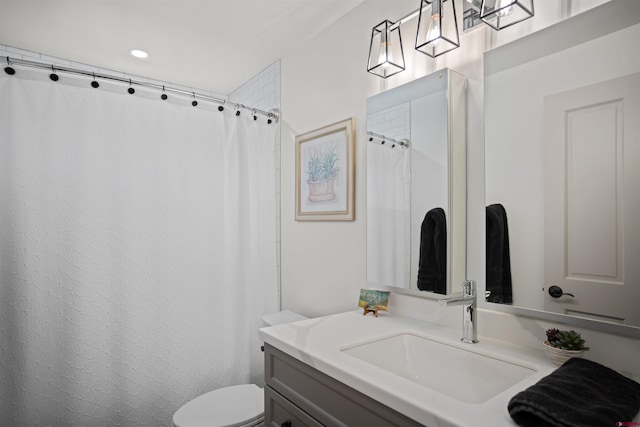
x: 325, y: 163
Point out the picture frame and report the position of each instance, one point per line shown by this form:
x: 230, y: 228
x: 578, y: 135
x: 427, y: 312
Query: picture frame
x: 373, y: 300
x: 325, y: 173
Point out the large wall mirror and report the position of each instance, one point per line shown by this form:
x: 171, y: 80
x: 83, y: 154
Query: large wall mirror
x: 416, y: 185
x: 562, y: 141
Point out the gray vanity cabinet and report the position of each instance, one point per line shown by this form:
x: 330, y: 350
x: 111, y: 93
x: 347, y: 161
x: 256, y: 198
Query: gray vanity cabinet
x: 297, y: 395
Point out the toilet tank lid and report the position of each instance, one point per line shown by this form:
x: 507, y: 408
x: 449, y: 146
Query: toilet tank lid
x: 280, y: 317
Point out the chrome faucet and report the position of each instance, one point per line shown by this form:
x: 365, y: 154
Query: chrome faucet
x: 468, y: 302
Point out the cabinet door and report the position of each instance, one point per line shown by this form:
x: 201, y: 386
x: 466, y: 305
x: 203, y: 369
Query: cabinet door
x: 323, y: 398
x: 279, y: 412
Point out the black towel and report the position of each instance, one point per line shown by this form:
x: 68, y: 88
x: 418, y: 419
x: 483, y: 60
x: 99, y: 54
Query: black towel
x: 580, y: 393
x: 498, y: 260
x: 432, y: 268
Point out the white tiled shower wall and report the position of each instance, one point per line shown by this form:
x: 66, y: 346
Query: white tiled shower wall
x: 394, y: 122
x: 262, y: 91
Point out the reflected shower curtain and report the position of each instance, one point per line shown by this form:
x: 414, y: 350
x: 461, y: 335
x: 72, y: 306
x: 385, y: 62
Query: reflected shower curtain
x: 137, y: 252
x: 388, y: 218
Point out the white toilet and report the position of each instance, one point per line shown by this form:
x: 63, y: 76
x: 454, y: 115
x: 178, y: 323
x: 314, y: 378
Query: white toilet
x: 234, y: 406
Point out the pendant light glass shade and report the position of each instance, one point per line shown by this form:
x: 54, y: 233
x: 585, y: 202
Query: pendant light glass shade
x: 437, y: 27
x: 499, y: 14
x: 386, y: 56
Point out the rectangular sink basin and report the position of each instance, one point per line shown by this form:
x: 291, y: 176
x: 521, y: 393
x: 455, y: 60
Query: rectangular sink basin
x: 457, y: 372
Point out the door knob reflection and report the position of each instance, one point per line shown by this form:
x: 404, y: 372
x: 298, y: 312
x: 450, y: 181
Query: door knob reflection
x: 556, y: 292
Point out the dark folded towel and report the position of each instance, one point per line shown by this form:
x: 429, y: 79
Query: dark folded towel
x: 432, y: 266
x: 580, y: 393
x: 498, y: 258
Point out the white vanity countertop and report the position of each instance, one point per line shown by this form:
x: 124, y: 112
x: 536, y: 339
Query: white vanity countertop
x: 318, y: 343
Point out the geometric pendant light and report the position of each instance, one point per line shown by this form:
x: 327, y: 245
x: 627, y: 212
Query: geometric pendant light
x: 386, y: 56
x: 499, y: 14
x: 437, y: 27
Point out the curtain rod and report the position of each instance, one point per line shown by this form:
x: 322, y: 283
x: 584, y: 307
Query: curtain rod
x: 402, y: 142
x: 271, y: 115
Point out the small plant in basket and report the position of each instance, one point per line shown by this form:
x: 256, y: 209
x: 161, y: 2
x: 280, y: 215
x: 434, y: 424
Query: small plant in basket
x: 566, y: 340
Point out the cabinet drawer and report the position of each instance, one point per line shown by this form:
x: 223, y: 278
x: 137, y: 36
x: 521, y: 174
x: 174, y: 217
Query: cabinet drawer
x: 325, y: 399
x: 279, y: 412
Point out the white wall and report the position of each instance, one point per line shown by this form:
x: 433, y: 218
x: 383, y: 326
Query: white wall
x: 324, y: 263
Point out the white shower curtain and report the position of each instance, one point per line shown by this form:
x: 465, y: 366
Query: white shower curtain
x: 137, y: 252
x: 388, y: 217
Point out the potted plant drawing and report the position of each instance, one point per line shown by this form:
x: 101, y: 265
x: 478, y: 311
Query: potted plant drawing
x: 321, y: 175
x: 561, y: 346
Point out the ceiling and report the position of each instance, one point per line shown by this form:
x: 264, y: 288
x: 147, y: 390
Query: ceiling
x: 213, y: 45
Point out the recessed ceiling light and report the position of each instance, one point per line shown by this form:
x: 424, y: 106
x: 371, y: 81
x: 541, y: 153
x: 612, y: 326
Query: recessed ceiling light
x: 139, y: 53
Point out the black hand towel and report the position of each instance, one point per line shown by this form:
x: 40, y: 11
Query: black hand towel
x: 432, y: 268
x: 498, y: 259
x: 580, y: 393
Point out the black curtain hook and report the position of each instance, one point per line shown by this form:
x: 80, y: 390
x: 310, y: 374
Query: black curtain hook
x: 53, y: 76
x: 94, y: 83
x: 194, y: 102
x: 9, y: 69
x: 255, y: 117
x: 164, y: 95
x: 131, y: 90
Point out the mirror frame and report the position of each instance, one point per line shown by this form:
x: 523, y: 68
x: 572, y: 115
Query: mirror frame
x: 597, y: 22
x: 455, y: 87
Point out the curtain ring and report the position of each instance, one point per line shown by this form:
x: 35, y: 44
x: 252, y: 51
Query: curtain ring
x: 194, y: 102
x: 164, y: 95
x: 221, y: 107
x: 94, y: 83
x: 9, y: 69
x: 131, y: 90
x: 53, y: 76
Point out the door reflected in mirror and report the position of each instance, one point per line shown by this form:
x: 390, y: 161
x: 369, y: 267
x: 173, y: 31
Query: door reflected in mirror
x: 562, y: 146
x: 416, y: 185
